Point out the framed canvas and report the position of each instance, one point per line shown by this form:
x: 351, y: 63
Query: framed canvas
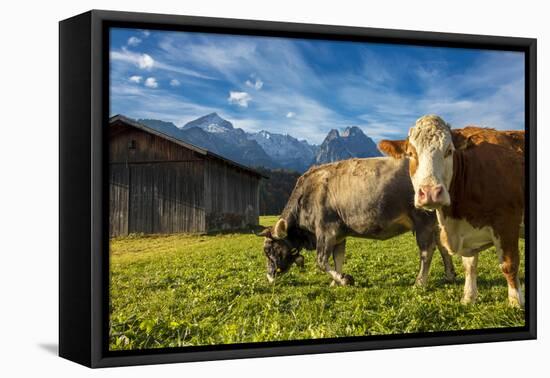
x: 235, y: 188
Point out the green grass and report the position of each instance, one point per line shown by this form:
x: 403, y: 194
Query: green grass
x: 180, y: 290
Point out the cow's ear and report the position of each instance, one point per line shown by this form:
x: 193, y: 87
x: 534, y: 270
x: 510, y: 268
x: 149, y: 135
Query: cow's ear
x: 460, y: 141
x: 266, y: 232
x: 394, y: 148
x: 280, y: 229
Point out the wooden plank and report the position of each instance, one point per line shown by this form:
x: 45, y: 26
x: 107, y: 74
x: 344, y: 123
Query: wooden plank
x: 118, y: 201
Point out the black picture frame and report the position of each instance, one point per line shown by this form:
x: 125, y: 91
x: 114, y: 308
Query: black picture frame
x: 83, y: 196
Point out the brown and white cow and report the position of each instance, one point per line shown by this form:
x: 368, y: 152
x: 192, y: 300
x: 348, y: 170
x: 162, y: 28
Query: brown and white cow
x: 475, y: 183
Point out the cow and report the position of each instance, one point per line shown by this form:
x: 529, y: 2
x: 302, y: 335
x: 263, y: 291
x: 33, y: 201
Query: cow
x: 370, y: 198
x: 474, y: 135
x: 475, y: 184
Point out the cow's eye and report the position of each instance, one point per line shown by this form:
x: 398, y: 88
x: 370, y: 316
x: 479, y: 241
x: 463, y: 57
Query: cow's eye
x: 448, y: 152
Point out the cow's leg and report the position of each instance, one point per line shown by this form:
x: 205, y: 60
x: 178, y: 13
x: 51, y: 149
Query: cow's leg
x: 327, y: 248
x: 470, y: 283
x: 338, y: 254
x: 510, y: 268
x: 508, y: 253
x: 425, y: 239
x: 450, y: 273
x: 426, y: 255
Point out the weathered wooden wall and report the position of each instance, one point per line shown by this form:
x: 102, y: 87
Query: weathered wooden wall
x: 231, y: 197
x: 166, y: 198
x: 159, y: 186
x: 148, y: 147
x: 118, y: 199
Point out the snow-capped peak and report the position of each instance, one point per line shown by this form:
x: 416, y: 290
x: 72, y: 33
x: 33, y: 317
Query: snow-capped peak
x: 265, y: 134
x: 211, y: 122
x: 215, y: 128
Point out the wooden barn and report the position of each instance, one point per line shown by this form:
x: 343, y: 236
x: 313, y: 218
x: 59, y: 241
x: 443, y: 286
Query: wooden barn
x: 159, y: 184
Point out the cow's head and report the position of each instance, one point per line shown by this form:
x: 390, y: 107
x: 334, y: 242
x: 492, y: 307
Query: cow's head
x: 429, y: 148
x: 279, y: 251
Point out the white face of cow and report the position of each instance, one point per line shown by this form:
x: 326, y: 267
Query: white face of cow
x: 430, y: 150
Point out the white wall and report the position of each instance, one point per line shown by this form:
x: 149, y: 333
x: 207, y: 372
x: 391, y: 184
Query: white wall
x: 28, y: 207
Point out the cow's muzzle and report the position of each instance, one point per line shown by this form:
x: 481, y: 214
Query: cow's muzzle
x: 431, y: 197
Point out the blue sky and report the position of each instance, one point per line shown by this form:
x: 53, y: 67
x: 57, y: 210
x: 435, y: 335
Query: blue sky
x: 307, y: 87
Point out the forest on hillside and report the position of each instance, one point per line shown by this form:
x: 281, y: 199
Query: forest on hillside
x: 275, y: 191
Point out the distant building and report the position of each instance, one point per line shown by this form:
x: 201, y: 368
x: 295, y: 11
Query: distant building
x: 159, y: 184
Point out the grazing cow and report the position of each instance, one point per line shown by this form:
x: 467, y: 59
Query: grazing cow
x: 370, y: 198
x: 475, y: 188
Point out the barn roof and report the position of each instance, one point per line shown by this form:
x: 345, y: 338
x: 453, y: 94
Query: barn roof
x: 119, y: 118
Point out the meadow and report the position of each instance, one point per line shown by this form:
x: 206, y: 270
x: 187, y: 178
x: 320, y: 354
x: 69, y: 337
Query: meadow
x: 182, y: 290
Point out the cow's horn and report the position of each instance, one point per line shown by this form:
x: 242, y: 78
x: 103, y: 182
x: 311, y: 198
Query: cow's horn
x: 279, y: 231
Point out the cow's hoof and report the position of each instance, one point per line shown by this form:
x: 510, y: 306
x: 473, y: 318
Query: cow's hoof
x: 450, y: 277
x: 420, y: 283
x: 468, y: 300
x: 513, y: 302
x: 347, y: 280
x: 516, y: 300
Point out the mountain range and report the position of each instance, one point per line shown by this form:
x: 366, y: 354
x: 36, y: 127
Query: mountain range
x: 266, y: 149
x: 352, y: 142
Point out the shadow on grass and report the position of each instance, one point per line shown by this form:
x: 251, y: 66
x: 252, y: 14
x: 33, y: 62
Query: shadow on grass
x: 249, y: 230
x: 484, y: 281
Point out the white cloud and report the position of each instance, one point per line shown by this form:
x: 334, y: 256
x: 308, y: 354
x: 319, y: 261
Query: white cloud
x: 182, y: 70
x: 290, y: 114
x: 143, y: 61
x: 133, y: 41
x: 135, y: 79
x: 175, y: 83
x: 212, y: 53
x: 239, y: 98
x: 258, y: 84
x: 135, y: 102
x: 146, y: 33
x: 151, y: 82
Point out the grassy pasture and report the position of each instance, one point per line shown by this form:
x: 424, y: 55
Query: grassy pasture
x: 180, y: 290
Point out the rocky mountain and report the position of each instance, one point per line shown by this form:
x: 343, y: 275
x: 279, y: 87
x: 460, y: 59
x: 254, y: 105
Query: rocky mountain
x: 217, y: 135
x: 285, y: 150
x: 211, y: 123
x: 164, y: 127
x: 267, y: 149
x: 194, y: 136
x: 352, y: 142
